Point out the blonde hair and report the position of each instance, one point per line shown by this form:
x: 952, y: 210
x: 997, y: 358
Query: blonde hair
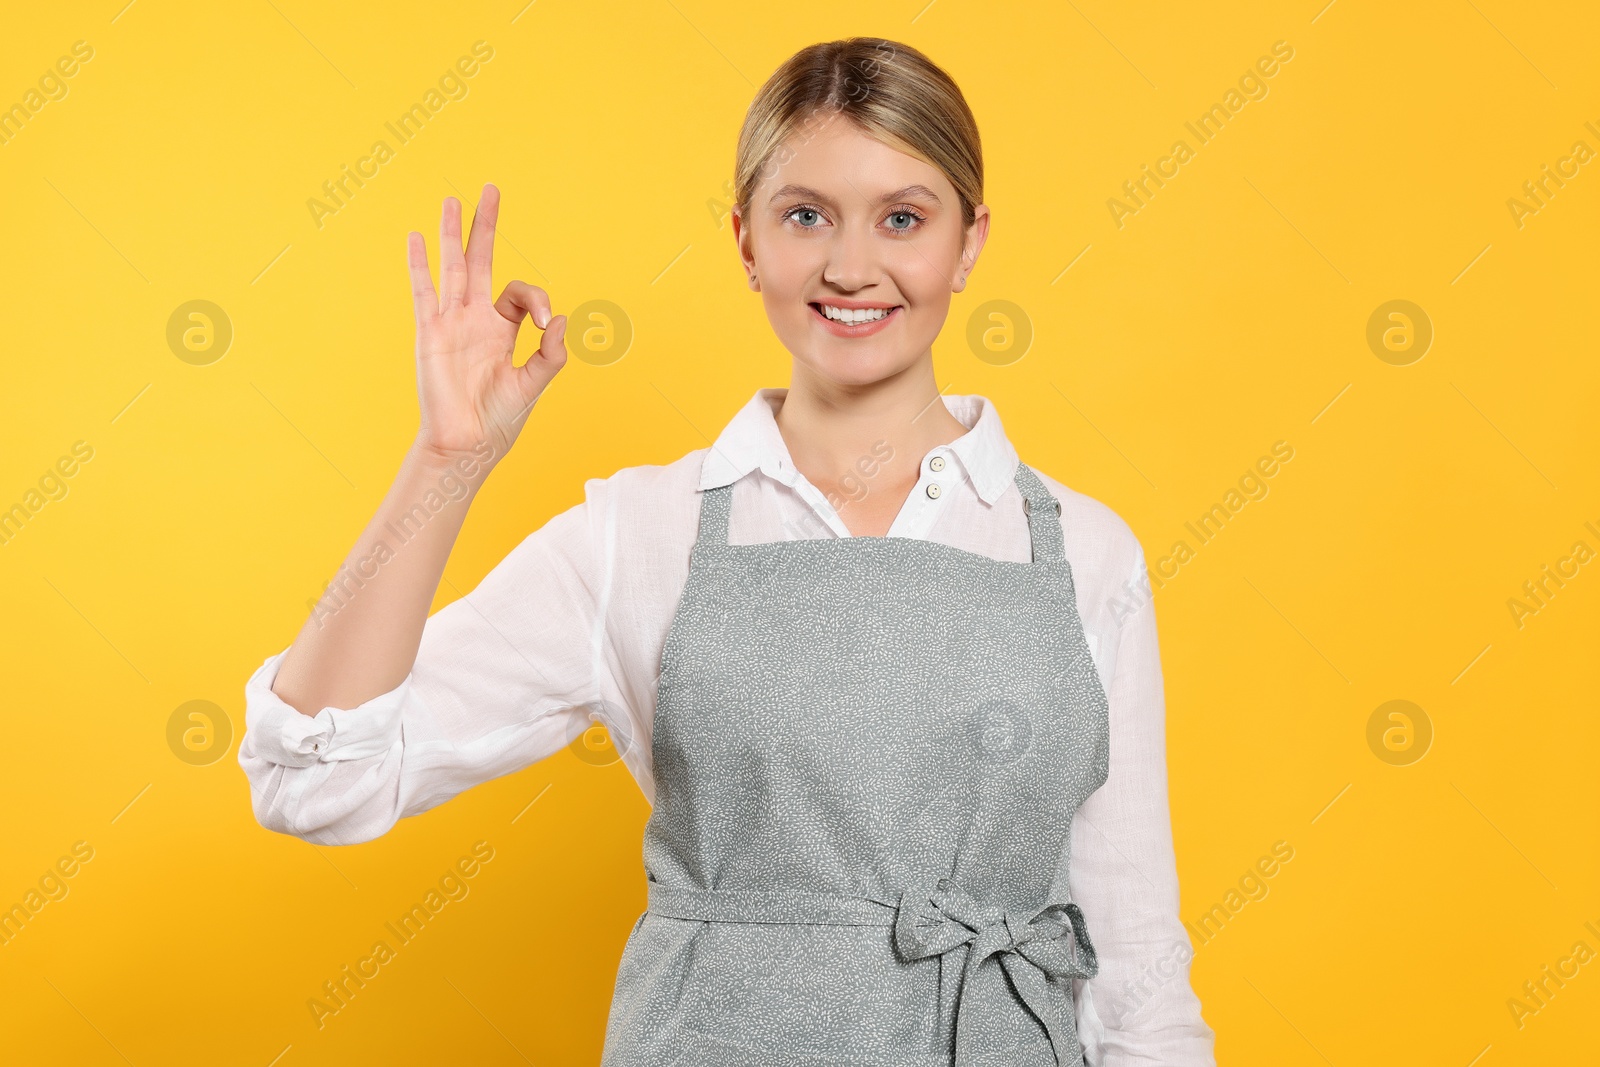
x: 891, y: 91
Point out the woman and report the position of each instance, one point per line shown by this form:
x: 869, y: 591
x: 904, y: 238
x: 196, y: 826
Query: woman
x: 874, y: 730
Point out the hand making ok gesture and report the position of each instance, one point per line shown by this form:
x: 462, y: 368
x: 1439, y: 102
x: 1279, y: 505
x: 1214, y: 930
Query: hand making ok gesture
x: 468, y: 391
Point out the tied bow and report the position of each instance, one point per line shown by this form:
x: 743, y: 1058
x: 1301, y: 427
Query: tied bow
x: 933, y: 919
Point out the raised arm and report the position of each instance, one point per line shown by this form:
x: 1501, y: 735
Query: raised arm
x: 362, y: 638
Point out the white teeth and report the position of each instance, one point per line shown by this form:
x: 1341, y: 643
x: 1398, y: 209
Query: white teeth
x: 851, y: 317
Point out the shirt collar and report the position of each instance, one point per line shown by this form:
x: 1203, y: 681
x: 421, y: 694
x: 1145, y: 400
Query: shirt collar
x: 751, y: 441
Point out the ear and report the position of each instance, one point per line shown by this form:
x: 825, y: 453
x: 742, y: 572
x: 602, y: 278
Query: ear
x: 741, y: 239
x: 971, y: 245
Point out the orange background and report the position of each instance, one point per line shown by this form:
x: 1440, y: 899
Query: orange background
x: 1167, y: 354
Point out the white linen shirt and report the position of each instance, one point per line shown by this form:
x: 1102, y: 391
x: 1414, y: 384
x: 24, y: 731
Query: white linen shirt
x: 569, y: 628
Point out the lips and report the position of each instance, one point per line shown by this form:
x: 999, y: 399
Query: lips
x: 840, y: 329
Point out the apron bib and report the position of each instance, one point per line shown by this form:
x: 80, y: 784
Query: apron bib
x: 868, y: 753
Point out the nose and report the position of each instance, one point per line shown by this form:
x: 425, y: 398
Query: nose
x: 852, y: 260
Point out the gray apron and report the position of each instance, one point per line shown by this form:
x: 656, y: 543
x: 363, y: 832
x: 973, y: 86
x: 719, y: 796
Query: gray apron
x: 868, y: 752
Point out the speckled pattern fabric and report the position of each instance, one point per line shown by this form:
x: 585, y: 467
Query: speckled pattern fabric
x: 868, y: 752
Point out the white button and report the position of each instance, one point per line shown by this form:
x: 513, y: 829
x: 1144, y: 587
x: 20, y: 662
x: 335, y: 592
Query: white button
x: 934, y: 490
x: 936, y: 463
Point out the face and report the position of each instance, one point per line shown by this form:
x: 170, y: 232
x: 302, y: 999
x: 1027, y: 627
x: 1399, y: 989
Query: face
x: 856, y: 248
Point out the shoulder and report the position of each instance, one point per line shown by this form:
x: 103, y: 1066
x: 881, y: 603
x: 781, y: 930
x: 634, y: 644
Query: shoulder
x: 631, y: 508
x: 1095, y: 535
x: 1109, y: 572
x: 645, y: 514
x: 651, y: 481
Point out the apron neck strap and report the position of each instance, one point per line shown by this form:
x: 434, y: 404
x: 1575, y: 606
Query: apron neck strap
x: 1043, y: 512
x: 714, y: 506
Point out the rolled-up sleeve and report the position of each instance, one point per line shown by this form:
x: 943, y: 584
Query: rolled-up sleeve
x: 281, y: 735
x: 1140, y: 1007
x: 504, y: 676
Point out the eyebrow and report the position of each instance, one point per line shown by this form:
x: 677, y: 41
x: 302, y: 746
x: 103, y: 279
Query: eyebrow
x: 812, y: 194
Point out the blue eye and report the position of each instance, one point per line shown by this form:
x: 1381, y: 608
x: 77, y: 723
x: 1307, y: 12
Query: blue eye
x: 914, y: 219
x: 810, y: 218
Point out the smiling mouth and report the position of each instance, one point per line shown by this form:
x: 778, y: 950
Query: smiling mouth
x: 853, y: 316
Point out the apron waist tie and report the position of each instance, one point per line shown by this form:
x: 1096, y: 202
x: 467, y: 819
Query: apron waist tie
x: 929, y: 918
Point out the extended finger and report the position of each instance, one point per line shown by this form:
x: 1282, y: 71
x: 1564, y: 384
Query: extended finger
x: 452, y: 264
x: 480, y: 246
x: 519, y: 298
x: 422, y: 294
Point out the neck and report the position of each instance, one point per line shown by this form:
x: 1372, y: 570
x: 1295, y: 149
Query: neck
x: 852, y: 441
